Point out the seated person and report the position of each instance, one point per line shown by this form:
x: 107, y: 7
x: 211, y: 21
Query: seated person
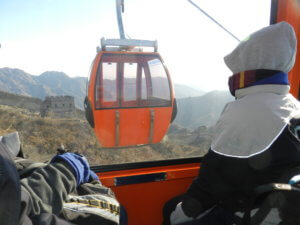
x: 62, y: 192
x: 253, y: 143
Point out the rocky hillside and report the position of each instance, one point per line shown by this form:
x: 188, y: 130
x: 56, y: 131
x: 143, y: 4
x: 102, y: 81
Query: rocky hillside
x: 20, y: 101
x: 41, y: 137
x: 192, y: 111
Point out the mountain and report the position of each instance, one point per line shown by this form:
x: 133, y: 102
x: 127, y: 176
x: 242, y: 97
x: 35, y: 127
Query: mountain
x: 194, y: 112
x: 61, y: 84
x: 17, y: 81
x: 49, y: 83
x: 184, y: 91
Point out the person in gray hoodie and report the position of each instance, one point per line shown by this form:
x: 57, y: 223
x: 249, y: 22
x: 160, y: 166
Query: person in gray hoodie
x: 254, y: 139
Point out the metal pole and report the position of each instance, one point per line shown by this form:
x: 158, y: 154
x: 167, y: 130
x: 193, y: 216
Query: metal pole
x: 120, y: 7
x: 216, y: 22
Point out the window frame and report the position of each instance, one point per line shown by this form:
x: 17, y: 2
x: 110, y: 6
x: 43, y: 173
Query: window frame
x: 142, y: 66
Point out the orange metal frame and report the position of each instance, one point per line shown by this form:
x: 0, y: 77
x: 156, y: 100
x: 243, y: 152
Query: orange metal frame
x: 289, y: 10
x: 144, y: 201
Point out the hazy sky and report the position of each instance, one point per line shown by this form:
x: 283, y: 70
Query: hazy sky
x: 62, y: 35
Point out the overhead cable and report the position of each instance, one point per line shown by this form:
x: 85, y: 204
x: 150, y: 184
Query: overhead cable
x: 216, y: 22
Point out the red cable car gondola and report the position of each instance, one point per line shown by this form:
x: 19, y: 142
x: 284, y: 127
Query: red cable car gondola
x: 130, y: 96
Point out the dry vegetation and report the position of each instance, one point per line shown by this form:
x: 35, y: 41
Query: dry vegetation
x: 40, y: 137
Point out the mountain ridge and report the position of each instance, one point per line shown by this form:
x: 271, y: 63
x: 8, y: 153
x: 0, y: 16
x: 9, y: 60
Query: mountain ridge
x: 49, y: 83
x: 195, y: 108
x: 17, y: 81
x: 203, y: 110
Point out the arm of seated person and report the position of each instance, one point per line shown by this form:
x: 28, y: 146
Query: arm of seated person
x: 45, y: 190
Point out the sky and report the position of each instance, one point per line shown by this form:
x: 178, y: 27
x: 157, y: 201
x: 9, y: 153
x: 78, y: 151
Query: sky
x: 62, y: 35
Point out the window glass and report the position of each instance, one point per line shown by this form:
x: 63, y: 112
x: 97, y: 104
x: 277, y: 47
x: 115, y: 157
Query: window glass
x: 106, y: 85
x: 129, y: 91
x: 109, y: 82
x: 159, y: 82
x: 144, y: 85
x: 194, y: 59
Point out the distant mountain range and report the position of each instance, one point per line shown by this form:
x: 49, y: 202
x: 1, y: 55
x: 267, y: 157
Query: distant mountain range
x: 49, y: 83
x: 184, y: 91
x: 202, y: 110
x: 17, y: 81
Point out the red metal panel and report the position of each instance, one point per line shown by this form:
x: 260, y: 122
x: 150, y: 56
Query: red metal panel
x: 289, y: 10
x: 144, y: 202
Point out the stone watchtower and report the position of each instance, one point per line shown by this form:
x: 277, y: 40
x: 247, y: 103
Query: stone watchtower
x: 58, y: 106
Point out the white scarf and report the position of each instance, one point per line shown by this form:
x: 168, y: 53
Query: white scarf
x: 252, y: 123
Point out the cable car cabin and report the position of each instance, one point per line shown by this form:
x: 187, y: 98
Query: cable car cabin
x: 144, y: 187
x: 131, y: 96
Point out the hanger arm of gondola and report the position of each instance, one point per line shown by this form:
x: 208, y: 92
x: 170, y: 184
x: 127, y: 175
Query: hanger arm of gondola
x: 127, y: 43
x: 216, y: 22
x: 120, y: 9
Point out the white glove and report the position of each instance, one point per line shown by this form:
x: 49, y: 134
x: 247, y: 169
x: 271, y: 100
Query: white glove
x: 178, y: 216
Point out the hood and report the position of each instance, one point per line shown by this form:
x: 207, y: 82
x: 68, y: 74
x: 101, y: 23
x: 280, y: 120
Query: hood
x: 272, y: 48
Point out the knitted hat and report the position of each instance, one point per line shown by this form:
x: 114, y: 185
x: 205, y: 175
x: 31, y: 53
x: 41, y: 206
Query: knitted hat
x: 271, y: 48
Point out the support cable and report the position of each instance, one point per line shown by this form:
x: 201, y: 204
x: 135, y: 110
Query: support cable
x: 216, y: 22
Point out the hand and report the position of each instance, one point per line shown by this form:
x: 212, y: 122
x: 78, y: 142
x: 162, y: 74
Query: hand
x: 79, y: 164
